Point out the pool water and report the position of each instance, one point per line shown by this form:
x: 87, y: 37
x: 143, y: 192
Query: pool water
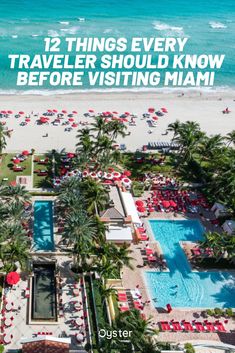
x: 44, y: 293
x: 181, y: 287
x: 43, y: 226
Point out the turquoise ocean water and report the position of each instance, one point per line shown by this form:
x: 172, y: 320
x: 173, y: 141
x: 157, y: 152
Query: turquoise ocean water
x: 210, y: 26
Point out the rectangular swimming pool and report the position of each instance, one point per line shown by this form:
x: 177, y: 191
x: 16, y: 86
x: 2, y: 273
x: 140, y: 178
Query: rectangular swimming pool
x: 43, y: 226
x: 44, y: 301
x: 180, y: 286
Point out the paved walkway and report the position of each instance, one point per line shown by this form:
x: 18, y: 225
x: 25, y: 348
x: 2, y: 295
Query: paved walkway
x: 70, y: 315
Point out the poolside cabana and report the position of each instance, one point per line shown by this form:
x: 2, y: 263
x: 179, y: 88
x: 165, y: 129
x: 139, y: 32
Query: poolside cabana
x: 219, y: 209
x: 45, y: 344
x: 229, y: 227
x: 119, y: 235
x: 130, y: 207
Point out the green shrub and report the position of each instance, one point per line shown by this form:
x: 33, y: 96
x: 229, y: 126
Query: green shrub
x: 1, y: 348
x: 229, y: 312
x: 189, y: 348
x: 218, y: 312
x: 210, y: 312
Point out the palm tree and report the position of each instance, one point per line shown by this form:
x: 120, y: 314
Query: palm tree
x: 106, y: 267
x: 14, y: 212
x: 99, y: 126
x: 79, y: 231
x: 15, y: 251
x: 14, y: 193
x: 122, y: 257
x: 188, y: 137
x: 103, y: 144
x: 115, y: 128
x: 230, y: 137
x: 3, y: 134
x: 85, y: 147
x: 95, y: 195
x: 105, y: 291
x: 142, y: 331
x: 223, y: 245
x: 174, y: 127
x: 209, y: 146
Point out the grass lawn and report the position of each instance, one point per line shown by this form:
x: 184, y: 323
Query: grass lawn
x: 41, y: 181
x: 7, y: 164
x: 140, y: 163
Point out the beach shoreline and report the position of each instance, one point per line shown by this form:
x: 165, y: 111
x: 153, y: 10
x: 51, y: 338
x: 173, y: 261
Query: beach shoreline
x: 206, y: 109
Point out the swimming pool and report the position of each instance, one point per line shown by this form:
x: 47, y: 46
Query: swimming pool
x: 44, y: 293
x: 181, y: 287
x: 43, y: 226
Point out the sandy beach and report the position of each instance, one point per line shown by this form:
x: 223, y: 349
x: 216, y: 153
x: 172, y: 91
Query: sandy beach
x: 206, y: 109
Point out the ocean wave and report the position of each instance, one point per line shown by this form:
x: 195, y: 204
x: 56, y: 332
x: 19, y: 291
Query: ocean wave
x: 217, y: 25
x: 167, y: 29
x: 108, y: 30
x: 160, y: 90
x: 71, y: 30
x: 81, y: 19
x: 34, y: 35
x: 14, y: 36
x: 52, y: 33
x: 64, y: 22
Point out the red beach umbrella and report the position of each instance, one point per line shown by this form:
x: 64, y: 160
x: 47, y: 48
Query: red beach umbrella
x: 27, y: 120
x: 70, y: 155
x: 127, y: 113
x: 91, y: 111
x: 139, y: 203
x: 74, y: 112
x: 55, y: 111
x: 71, y: 119
x: 21, y: 113
x: 85, y: 173
x: 172, y: 203
x: 49, y: 110
x: 43, y: 119
x: 74, y: 125
x: 155, y: 117
x: 108, y: 181
x: 9, y: 112
x: 165, y: 203
x: 151, y: 110
x: 16, y: 161
x: 3, y: 112
x: 164, y: 110
x: 12, y: 278
x: 64, y: 111
x: 127, y: 173
x: 115, y: 112
x: 141, y: 209
x: 25, y: 153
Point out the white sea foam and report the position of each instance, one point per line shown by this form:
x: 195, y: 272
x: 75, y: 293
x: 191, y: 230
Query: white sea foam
x: 14, y: 36
x: 52, y: 33
x: 160, y: 90
x: 167, y: 29
x: 34, y: 35
x: 64, y: 22
x: 71, y: 30
x: 108, y: 30
x: 217, y: 25
x: 81, y: 19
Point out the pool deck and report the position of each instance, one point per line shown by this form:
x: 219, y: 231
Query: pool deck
x: 130, y: 279
x: 63, y: 328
